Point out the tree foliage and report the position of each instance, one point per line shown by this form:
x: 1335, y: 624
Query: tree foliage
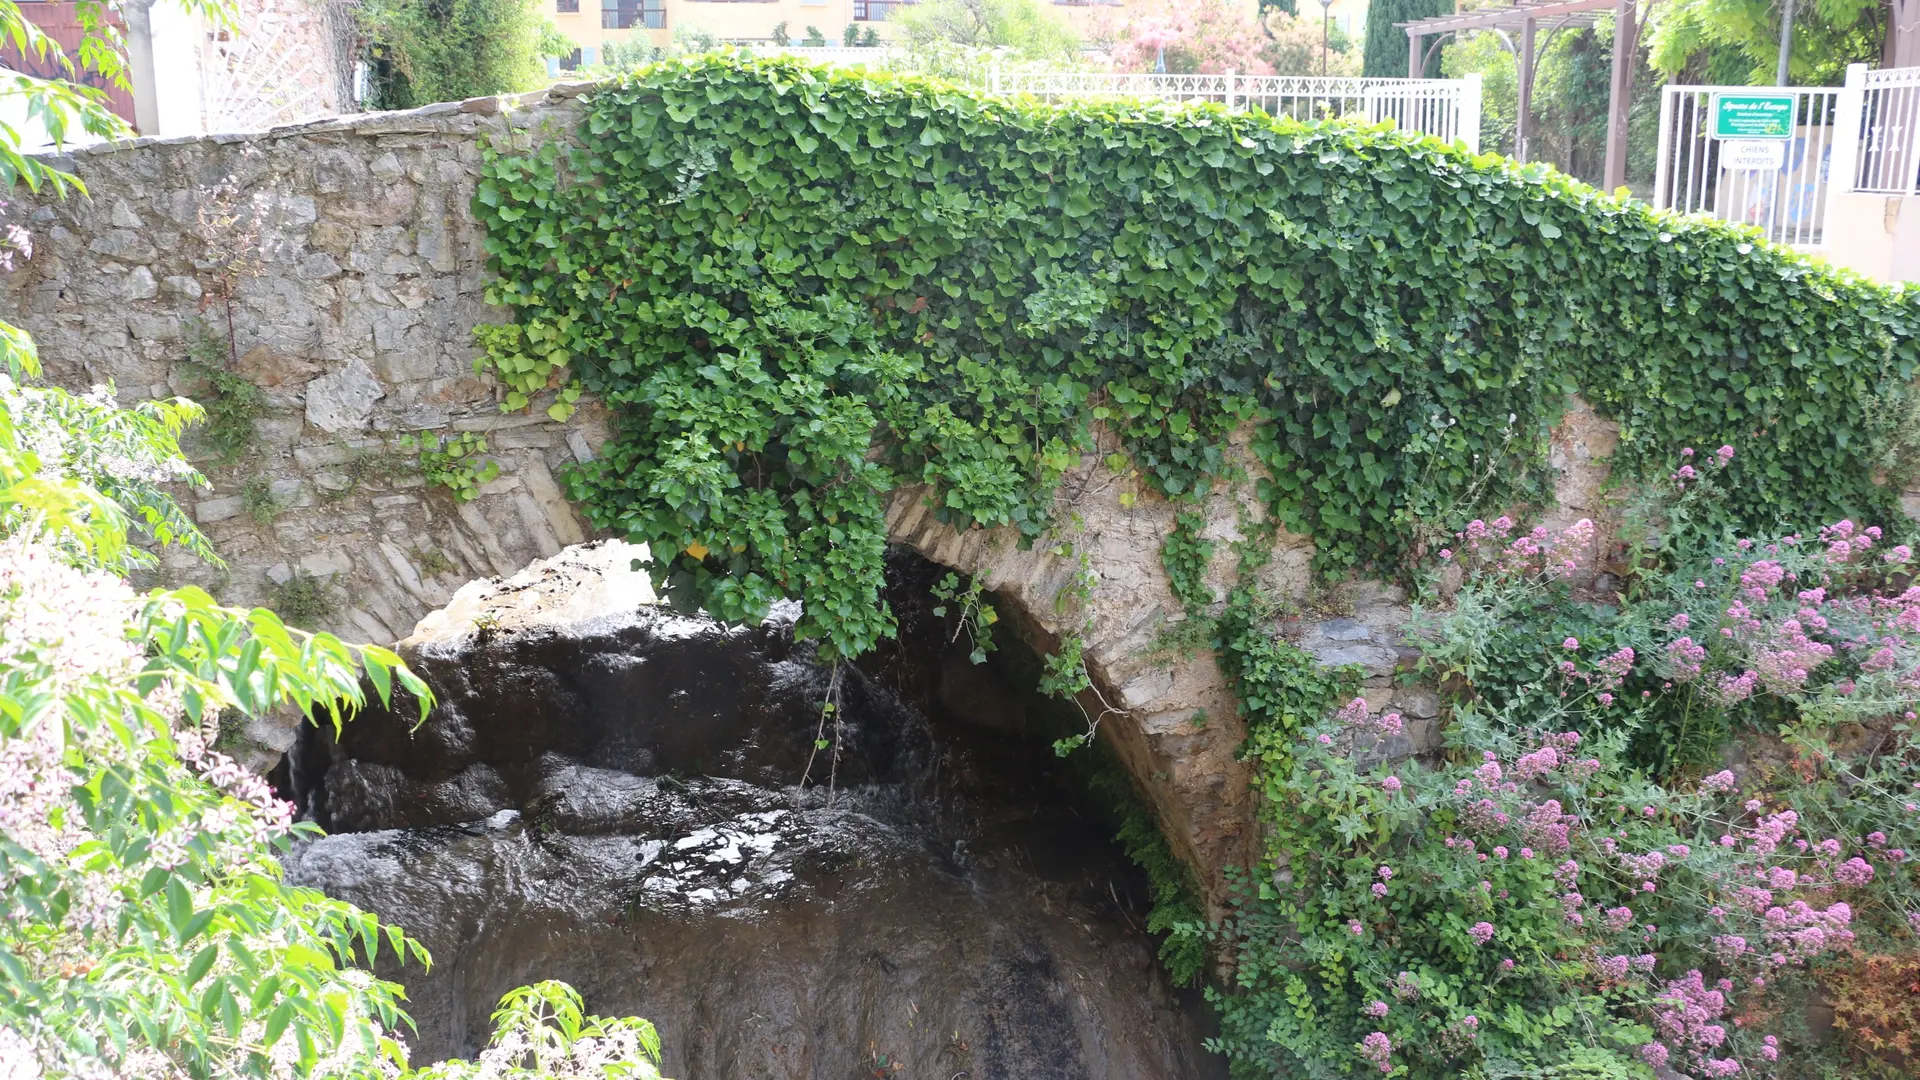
x: 1193, y: 36
x: 1386, y: 47
x: 1744, y: 36
x: 1571, y: 90
x: 447, y: 50
x: 146, y: 929
x: 964, y: 39
x: 800, y: 290
x: 1306, y: 45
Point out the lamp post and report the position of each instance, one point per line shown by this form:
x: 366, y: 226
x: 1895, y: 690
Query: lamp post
x: 1326, y: 18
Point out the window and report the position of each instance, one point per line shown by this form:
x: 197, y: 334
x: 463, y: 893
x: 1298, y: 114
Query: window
x: 875, y: 10
x: 570, y: 62
x: 567, y: 7
x: 626, y: 14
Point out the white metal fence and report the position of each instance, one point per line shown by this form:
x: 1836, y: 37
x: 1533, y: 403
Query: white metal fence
x: 873, y: 56
x: 1778, y: 182
x: 1447, y: 108
x: 1889, y: 161
x: 1783, y: 175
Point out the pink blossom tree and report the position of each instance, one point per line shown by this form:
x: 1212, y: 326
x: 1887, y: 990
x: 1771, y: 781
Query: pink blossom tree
x: 1194, y: 36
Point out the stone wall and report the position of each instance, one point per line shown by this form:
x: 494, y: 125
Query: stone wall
x: 360, y: 280
x: 358, y: 276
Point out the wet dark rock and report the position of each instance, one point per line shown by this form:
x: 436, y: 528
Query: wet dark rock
x: 618, y: 806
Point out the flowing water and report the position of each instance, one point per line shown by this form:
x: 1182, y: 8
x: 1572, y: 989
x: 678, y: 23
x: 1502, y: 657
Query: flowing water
x: 618, y: 805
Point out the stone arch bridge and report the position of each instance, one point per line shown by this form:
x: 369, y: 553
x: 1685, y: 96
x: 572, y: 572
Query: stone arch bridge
x: 336, y: 266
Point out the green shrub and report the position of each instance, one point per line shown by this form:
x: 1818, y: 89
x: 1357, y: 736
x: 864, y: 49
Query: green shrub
x: 800, y: 289
x: 457, y: 463
x: 302, y: 600
x: 231, y: 402
x: 447, y: 50
x: 1536, y: 902
x: 543, y: 1032
x: 258, y: 500
x: 369, y: 466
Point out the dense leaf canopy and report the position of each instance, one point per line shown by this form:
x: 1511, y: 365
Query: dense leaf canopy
x: 802, y: 289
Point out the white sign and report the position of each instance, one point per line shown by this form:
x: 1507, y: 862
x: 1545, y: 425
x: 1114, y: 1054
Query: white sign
x: 1765, y: 154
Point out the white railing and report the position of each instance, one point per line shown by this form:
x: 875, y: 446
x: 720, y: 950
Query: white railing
x: 1889, y: 126
x: 1776, y: 182
x: 873, y: 56
x: 1446, y: 108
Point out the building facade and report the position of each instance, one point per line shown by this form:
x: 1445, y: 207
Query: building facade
x: 593, y: 24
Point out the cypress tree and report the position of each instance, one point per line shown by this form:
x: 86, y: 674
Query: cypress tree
x: 1386, y: 49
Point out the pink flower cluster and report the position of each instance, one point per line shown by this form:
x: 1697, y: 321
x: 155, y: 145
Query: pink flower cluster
x: 1549, y: 828
x: 1687, y: 474
x: 1689, y: 1015
x: 1797, y: 932
x: 1378, y: 1049
x: 1790, y: 614
x: 1492, y: 547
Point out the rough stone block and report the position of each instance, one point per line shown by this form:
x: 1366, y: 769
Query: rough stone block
x: 266, y: 367
x: 1375, y: 659
x: 332, y: 237
x: 501, y: 485
x: 1417, y: 701
x: 343, y: 400
x: 319, y: 457
x: 125, y: 245
x: 1343, y: 630
x: 318, y: 266
x: 296, y: 210
x: 144, y: 327
x: 577, y: 442
x: 326, y: 563
x: 208, y: 511
x: 400, y: 367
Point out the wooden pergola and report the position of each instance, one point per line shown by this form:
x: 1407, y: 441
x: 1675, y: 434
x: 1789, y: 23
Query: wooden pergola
x: 1524, y: 19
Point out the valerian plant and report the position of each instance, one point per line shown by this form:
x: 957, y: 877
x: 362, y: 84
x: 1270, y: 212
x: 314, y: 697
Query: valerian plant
x: 1795, y: 633
x: 1539, y: 902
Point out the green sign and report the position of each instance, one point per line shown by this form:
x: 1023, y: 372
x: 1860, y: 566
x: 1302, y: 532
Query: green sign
x: 1753, y: 116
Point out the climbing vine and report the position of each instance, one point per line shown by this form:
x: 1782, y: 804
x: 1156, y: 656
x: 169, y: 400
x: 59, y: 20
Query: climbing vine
x: 799, y: 290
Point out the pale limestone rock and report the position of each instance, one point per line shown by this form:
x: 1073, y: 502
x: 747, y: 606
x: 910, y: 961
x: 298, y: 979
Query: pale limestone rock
x: 343, y: 400
x: 208, y: 511
x: 580, y: 584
